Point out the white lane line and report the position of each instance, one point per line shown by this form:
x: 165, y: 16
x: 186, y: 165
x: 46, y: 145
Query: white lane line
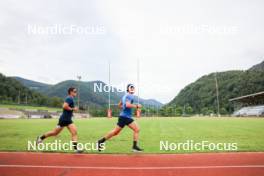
x: 131, y: 168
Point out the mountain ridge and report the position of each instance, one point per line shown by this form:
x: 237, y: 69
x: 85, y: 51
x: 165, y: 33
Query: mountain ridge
x: 87, y: 95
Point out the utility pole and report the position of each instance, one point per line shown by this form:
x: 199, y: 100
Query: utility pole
x: 175, y: 110
x: 151, y: 113
x: 217, y: 95
x: 79, y: 92
x: 18, y: 98
x: 148, y: 110
x: 26, y: 99
x: 158, y: 110
x: 145, y: 110
x: 184, y: 111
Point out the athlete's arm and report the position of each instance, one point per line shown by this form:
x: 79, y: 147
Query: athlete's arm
x: 120, y: 104
x: 68, y: 108
x: 130, y: 105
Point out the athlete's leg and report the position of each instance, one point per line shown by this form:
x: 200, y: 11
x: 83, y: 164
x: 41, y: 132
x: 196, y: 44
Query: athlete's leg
x: 108, y: 136
x: 134, y: 126
x: 53, y: 132
x: 73, y: 130
x: 113, y: 132
x: 74, y: 137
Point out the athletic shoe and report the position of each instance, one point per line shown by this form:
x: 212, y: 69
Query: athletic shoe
x: 137, y: 149
x: 39, y: 140
x: 99, y: 144
x: 78, y: 151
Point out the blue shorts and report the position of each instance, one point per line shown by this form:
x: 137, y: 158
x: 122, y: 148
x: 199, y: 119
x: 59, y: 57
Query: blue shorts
x: 64, y: 122
x: 123, y: 121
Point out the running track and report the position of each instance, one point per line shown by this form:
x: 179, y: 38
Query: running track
x: 55, y: 164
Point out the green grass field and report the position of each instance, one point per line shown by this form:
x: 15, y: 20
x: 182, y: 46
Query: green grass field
x: 248, y: 133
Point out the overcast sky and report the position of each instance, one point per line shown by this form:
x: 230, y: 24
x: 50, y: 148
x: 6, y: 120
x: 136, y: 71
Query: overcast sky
x: 176, y: 41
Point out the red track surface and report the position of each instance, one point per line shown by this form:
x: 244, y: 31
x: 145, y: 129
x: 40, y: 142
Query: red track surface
x: 43, y: 164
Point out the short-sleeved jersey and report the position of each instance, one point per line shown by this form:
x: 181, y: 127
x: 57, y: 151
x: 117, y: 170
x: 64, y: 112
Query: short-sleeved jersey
x: 126, y: 112
x: 66, y: 114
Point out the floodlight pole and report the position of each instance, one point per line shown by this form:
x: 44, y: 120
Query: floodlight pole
x: 109, y: 84
x: 138, y: 76
x: 79, y: 85
x: 138, y: 80
x: 217, y: 95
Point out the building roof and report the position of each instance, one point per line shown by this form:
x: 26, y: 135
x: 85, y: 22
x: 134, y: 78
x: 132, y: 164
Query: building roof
x: 248, y: 97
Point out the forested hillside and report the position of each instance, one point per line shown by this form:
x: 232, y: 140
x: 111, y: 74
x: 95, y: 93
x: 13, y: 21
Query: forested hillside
x: 12, y: 91
x: 200, y: 97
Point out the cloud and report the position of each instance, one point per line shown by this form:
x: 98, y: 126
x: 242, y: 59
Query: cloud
x: 176, y: 41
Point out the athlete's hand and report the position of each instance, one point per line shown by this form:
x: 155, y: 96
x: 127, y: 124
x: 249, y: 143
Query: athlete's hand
x: 75, y: 109
x: 139, y: 106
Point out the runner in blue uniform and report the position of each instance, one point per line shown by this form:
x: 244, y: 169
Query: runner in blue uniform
x: 125, y: 119
x: 65, y: 120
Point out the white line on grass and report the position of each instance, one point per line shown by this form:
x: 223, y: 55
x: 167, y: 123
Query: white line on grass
x: 132, y: 168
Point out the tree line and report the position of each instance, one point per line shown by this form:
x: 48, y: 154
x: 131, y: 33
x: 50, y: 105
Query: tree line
x: 201, y: 95
x: 12, y: 91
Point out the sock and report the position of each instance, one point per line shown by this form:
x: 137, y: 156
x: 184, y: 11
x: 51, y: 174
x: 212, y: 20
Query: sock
x: 134, y: 143
x: 74, y: 143
x: 102, y: 140
x: 43, y: 137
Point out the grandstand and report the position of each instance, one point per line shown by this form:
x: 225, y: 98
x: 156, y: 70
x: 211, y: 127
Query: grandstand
x: 249, y: 105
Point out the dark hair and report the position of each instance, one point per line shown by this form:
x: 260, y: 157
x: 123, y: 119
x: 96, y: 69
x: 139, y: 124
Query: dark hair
x: 130, y: 85
x: 71, y: 89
